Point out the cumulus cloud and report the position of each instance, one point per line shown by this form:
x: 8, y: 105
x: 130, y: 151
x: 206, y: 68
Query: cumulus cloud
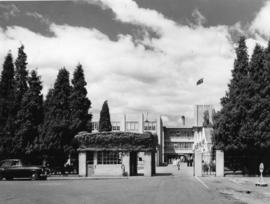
x: 261, y: 24
x: 133, y: 78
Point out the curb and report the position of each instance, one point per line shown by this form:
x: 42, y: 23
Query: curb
x: 83, y: 178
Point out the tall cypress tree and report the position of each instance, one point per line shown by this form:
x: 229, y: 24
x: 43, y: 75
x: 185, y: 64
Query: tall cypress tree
x: 229, y: 120
x: 55, y: 130
x: 21, y: 75
x: 29, y: 117
x: 104, y: 120
x: 6, y: 103
x: 249, y: 131
x: 242, y: 126
x: 262, y: 111
x: 40, y: 143
x: 79, y: 103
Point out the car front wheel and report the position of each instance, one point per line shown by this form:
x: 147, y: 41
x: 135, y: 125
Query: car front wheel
x: 34, y: 176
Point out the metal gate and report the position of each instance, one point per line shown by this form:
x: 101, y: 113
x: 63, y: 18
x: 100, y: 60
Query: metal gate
x: 208, y: 164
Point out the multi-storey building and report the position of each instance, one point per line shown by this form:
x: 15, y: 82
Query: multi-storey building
x: 173, y: 142
x: 178, y: 142
x: 137, y: 123
x: 199, y: 111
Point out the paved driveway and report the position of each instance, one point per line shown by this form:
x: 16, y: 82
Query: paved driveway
x: 180, y: 187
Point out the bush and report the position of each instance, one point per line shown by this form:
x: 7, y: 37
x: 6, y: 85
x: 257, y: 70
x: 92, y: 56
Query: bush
x: 117, y: 141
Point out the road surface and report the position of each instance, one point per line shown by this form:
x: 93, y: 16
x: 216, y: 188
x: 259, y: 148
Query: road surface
x: 180, y: 187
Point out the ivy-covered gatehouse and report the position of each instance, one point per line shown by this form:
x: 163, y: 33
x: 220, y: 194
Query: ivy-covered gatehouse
x: 115, y: 153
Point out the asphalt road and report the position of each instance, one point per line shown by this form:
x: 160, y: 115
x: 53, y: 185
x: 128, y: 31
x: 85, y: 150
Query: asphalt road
x: 163, y: 189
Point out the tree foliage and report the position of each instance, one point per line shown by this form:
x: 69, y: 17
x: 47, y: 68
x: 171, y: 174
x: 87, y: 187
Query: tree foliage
x: 29, y: 127
x: 55, y: 131
x: 104, y: 120
x: 6, y: 104
x: 79, y: 103
x: 29, y: 116
x: 242, y: 126
x: 21, y: 76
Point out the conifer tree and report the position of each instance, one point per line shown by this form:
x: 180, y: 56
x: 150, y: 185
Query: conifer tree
x: 242, y: 128
x: 29, y: 117
x: 249, y: 131
x: 6, y: 104
x: 40, y: 143
x: 104, y: 120
x: 228, y: 121
x: 21, y: 75
x: 79, y: 103
x: 55, y: 129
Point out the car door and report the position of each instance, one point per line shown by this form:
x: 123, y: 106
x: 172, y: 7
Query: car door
x: 13, y: 170
x: 17, y: 169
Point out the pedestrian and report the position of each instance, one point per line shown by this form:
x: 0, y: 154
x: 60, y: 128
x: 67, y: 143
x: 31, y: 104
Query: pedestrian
x: 178, y: 165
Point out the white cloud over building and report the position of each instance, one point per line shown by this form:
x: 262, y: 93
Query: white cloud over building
x: 154, y: 74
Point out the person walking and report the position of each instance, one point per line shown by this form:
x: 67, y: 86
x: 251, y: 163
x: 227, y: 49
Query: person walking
x: 178, y: 164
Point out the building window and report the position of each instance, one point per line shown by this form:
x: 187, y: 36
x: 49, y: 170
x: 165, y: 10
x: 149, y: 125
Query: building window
x: 150, y: 125
x: 132, y: 126
x: 95, y: 125
x: 109, y: 158
x: 115, y: 126
x: 171, y: 146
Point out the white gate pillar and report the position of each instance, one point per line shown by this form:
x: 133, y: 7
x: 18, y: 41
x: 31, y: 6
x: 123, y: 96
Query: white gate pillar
x: 126, y: 162
x: 219, y: 163
x: 148, y: 163
x: 82, y: 163
x: 198, y: 163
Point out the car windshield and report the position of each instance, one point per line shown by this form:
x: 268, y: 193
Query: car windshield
x: 15, y: 163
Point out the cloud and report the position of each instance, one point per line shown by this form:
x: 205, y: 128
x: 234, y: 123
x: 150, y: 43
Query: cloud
x: 39, y: 17
x: 131, y: 77
x: 8, y: 10
x: 198, y: 17
x: 261, y: 24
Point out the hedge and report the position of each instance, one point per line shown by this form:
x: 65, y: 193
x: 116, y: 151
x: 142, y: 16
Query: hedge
x: 116, y: 141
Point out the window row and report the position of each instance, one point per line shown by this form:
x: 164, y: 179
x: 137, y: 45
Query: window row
x: 178, y: 145
x: 150, y: 125
x: 180, y: 132
x: 116, y: 126
x: 109, y: 158
x: 132, y: 126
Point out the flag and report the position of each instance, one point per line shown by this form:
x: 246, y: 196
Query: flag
x: 200, y: 81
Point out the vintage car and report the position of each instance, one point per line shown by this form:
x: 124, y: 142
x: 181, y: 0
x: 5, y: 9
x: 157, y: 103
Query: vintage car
x: 14, y: 168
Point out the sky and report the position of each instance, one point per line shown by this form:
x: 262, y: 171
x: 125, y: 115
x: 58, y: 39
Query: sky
x: 140, y: 55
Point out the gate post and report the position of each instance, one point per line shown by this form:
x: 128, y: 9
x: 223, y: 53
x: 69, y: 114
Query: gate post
x: 148, y: 164
x: 82, y: 163
x: 126, y: 162
x: 198, y: 163
x: 219, y: 163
